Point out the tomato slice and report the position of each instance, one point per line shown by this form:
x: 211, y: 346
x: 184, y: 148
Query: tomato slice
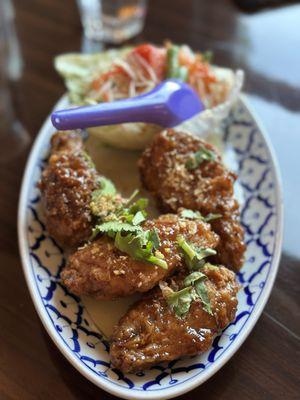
x: 155, y: 56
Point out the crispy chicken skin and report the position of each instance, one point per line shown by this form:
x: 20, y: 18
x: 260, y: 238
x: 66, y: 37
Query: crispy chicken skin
x: 150, y: 332
x: 66, y: 186
x: 100, y: 270
x: 207, y: 188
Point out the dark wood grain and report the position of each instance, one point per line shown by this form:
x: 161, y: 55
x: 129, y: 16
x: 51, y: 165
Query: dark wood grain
x: 265, y: 45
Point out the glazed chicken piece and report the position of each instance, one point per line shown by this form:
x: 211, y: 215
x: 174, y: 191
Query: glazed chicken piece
x: 100, y: 270
x: 66, y: 186
x: 173, y: 171
x: 150, y: 332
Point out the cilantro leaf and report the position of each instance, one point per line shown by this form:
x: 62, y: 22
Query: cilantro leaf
x: 122, y: 223
x: 197, y: 280
x: 194, y: 276
x: 203, y: 154
x: 112, y: 227
x: 130, y: 244
x: 211, y: 216
x: 116, y: 226
x: 202, y: 292
x: 136, y: 213
x: 106, y: 188
x: 193, y: 256
x: 138, y: 218
x: 190, y: 214
x: 139, y: 205
x: 180, y: 301
x: 195, y: 288
x: 139, y: 246
x: 154, y: 238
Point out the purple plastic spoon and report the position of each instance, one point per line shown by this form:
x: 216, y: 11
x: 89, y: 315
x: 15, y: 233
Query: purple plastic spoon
x: 169, y: 104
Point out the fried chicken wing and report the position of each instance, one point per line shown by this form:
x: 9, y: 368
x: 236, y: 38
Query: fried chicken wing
x: 150, y: 332
x: 101, y: 270
x: 205, y: 185
x: 66, y: 186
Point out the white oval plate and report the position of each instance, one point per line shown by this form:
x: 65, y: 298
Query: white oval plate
x: 73, y: 323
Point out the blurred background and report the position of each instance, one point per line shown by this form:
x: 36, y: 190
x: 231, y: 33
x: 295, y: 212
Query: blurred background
x: 262, y: 38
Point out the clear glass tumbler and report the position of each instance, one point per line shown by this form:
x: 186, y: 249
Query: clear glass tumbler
x: 112, y: 21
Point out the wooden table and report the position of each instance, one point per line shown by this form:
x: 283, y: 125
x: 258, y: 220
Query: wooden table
x: 266, y: 45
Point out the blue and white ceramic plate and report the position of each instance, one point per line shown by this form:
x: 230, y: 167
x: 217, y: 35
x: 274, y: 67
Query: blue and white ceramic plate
x: 78, y: 326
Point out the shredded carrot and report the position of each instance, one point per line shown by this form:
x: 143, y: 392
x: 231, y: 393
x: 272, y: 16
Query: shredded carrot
x: 144, y: 67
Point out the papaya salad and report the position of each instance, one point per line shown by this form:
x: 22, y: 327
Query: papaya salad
x: 129, y: 72
x: 146, y: 65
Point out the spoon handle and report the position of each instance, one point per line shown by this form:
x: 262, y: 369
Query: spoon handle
x: 170, y: 103
x: 136, y: 109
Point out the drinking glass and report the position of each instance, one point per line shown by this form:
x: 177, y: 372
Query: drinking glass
x: 112, y: 21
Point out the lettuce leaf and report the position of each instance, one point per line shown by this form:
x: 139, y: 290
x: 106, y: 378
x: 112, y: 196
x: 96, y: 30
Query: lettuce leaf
x: 79, y: 70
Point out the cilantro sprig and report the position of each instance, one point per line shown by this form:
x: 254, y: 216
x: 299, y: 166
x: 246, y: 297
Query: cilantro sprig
x: 180, y: 301
x: 203, y: 154
x: 196, y: 215
x: 197, y: 280
x: 194, y: 288
x: 142, y: 245
x: 194, y: 256
x: 194, y: 284
x: 122, y: 222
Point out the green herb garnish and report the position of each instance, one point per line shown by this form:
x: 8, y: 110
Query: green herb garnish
x: 203, y: 154
x: 141, y: 246
x: 190, y: 214
x: 202, y: 293
x: 197, y: 280
x: 112, y: 227
x: 207, y: 56
x: 106, y: 188
x: 194, y: 284
x: 130, y: 237
x: 194, y: 276
x: 174, y: 70
x: 211, y: 216
x: 135, y: 213
x: 132, y: 196
x: 194, y: 256
x: 108, y: 205
x: 195, y: 288
x: 122, y: 222
x: 138, y: 218
x: 180, y: 301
